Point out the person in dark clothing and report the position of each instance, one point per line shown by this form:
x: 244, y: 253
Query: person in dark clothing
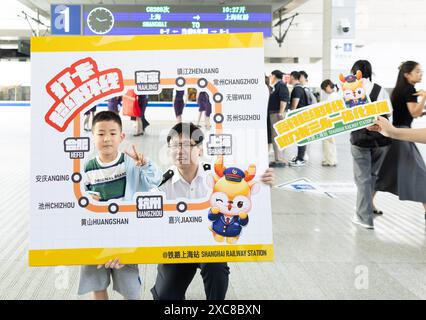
x: 368, y: 151
x: 298, y: 99
x: 277, y: 105
x: 179, y: 104
x: 403, y: 172
x: 141, y: 122
x: 113, y: 104
x: 205, y: 106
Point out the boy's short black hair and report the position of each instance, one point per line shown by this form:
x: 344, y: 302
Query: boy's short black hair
x: 107, y: 116
x: 188, y: 129
x: 303, y: 73
x: 278, y: 74
x: 295, y: 75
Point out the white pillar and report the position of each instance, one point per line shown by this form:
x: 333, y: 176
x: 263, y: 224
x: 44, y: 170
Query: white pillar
x: 338, y: 37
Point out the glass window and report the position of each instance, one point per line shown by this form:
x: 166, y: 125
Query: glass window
x: 14, y: 93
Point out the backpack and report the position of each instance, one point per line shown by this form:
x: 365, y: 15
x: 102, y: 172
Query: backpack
x: 365, y: 138
x: 305, y: 100
x: 310, y: 97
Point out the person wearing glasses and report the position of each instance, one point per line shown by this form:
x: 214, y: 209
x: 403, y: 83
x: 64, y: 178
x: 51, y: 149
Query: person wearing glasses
x: 186, y: 179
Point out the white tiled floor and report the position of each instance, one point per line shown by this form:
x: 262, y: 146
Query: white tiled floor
x: 319, y: 253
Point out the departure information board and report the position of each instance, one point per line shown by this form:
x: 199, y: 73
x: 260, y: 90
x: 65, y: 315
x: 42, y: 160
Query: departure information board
x: 175, y: 19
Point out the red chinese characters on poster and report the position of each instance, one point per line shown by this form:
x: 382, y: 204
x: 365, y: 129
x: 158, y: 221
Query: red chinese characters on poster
x: 77, y: 87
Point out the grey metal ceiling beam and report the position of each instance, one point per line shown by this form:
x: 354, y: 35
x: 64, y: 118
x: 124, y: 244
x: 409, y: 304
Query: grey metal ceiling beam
x: 36, y: 7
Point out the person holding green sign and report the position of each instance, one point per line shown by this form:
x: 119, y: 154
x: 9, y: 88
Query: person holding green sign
x: 404, y: 171
x: 368, y: 152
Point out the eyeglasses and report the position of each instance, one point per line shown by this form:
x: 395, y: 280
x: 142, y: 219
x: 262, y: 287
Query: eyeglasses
x: 182, y: 145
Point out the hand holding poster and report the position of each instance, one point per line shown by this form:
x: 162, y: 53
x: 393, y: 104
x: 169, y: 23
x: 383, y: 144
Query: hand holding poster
x: 76, y: 219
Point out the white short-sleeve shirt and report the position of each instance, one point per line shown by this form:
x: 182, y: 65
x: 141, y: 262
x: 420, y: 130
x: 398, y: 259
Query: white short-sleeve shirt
x: 177, y: 187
